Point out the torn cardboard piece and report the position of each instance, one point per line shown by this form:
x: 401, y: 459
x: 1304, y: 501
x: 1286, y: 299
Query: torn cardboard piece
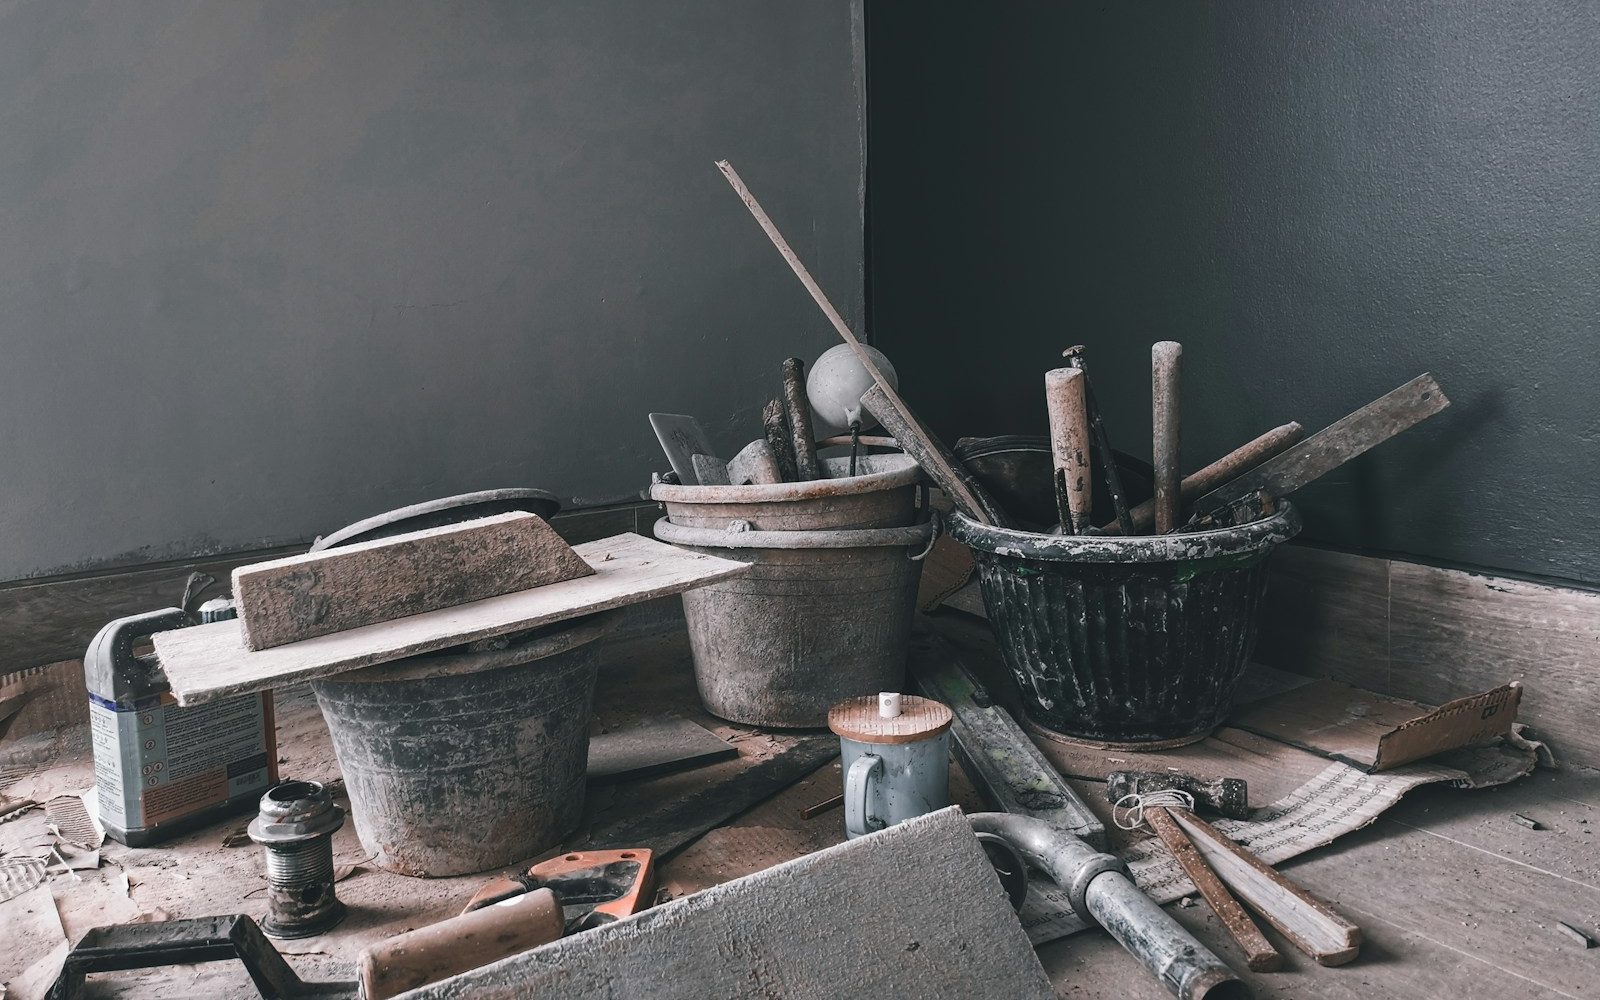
x: 1375, y: 732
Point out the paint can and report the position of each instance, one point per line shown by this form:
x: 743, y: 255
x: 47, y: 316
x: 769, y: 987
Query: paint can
x: 895, y: 754
x: 161, y: 769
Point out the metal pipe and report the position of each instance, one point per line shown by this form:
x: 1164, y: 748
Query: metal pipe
x: 296, y: 826
x: 1102, y: 892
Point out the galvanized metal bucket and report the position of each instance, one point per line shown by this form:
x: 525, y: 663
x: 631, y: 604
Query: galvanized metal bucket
x: 459, y: 762
x: 1134, y: 643
x: 825, y: 612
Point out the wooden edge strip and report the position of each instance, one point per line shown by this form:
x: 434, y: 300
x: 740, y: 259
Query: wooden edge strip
x: 1259, y: 953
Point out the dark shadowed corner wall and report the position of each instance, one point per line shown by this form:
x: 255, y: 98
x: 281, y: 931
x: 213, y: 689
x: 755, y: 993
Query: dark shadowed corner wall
x: 266, y: 268
x: 1320, y: 200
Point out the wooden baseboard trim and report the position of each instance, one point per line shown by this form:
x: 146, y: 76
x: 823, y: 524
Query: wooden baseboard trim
x: 1432, y: 634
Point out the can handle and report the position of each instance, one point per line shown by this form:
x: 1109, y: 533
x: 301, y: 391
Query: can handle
x: 858, y: 818
x: 114, y: 643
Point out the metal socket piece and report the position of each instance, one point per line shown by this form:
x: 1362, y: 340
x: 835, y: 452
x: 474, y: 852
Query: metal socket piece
x: 296, y: 826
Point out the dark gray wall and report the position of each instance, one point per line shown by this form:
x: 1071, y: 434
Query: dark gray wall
x: 1320, y: 200
x: 266, y: 268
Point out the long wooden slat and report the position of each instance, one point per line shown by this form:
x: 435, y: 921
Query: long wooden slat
x: 1335, y: 444
x: 207, y: 662
x: 936, y: 460
x: 933, y: 459
x: 670, y: 828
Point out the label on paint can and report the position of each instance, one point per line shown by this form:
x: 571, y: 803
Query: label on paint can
x: 156, y: 763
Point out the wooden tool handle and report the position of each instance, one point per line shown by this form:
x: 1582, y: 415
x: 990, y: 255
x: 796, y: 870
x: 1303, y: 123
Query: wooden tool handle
x: 797, y: 409
x: 1166, y: 400
x: 1310, y: 924
x: 466, y: 941
x: 777, y: 432
x: 865, y: 441
x: 1069, y: 446
x: 1259, y: 954
x: 1239, y: 460
x: 941, y: 466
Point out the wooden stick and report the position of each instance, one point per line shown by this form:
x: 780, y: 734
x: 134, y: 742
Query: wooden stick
x: 797, y: 410
x: 1069, y: 446
x: 1335, y: 444
x: 777, y: 431
x: 1239, y: 460
x: 818, y: 808
x: 866, y: 441
x: 1102, y: 441
x: 1166, y: 399
x: 1310, y: 924
x: 940, y: 469
x: 1258, y: 951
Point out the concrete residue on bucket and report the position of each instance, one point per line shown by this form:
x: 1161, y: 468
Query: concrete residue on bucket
x: 1125, y: 641
x: 825, y: 614
x: 463, y: 761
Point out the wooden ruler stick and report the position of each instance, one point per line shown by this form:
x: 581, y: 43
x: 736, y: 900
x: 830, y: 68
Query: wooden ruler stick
x: 1334, y: 445
x: 930, y: 458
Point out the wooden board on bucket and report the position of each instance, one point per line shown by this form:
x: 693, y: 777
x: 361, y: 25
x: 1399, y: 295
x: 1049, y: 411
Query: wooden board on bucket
x: 207, y: 662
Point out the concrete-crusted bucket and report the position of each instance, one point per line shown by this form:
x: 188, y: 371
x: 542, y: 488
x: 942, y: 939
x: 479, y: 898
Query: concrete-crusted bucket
x: 1125, y: 641
x: 462, y: 761
x: 825, y: 613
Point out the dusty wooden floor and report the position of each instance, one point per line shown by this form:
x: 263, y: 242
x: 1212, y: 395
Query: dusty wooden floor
x: 1456, y: 899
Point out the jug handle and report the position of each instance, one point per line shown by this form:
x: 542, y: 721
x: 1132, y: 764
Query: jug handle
x: 858, y: 820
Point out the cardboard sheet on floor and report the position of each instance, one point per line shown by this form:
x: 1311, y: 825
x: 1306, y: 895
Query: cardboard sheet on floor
x: 1375, y: 732
x: 207, y: 662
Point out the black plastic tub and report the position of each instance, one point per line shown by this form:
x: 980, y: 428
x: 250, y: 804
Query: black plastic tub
x: 1133, y: 643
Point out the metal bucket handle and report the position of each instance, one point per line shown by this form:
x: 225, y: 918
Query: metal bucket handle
x: 739, y: 535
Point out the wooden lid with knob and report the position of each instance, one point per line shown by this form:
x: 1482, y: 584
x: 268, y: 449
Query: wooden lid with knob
x: 919, y: 719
